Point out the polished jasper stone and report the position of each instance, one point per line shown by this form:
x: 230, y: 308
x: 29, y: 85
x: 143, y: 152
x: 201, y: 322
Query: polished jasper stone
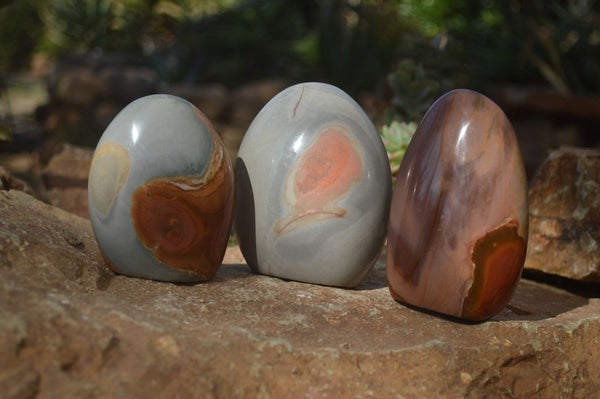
x: 160, y: 192
x: 313, y: 188
x: 458, y: 222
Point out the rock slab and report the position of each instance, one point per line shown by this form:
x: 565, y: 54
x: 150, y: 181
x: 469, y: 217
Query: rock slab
x: 564, y: 201
x: 71, y: 328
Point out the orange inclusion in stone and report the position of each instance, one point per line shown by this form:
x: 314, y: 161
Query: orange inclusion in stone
x: 186, y: 229
x: 326, y: 171
x: 498, y: 258
x: 169, y: 222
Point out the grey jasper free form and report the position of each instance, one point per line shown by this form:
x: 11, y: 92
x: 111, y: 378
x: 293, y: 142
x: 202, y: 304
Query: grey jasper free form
x: 161, y: 192
x: 313, y: 187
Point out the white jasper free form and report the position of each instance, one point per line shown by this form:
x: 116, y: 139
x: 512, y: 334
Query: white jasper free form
x: 313, y: 188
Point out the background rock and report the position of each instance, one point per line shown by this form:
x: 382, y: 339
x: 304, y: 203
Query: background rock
x: 87, y: 92
x: 212, y: 100
x: 9, y: 182
x: 564, y: 201
x: 82, y: 80
x: 71, y: 328
x: 66, y: 177
x: 248, y: 100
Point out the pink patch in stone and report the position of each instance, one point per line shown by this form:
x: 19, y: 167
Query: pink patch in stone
x: 319, y: 178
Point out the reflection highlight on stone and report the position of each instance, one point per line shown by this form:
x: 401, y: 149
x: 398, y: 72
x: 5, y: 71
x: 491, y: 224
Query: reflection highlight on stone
x: 458, y: 222
x: 161, y: 192
x: 313, y: 188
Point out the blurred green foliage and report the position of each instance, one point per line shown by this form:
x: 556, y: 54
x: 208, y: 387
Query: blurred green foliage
x: 252, y: 40
x: 346, y: 44
x: 413, y: 91
x: 359, y: 42
x: 532, y: 42
x: 21, y: 30
x: 354, y: 44
x: 5, y: 133
x: 85, y: 25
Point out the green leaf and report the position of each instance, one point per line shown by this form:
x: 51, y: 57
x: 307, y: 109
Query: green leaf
x: 5, y: 133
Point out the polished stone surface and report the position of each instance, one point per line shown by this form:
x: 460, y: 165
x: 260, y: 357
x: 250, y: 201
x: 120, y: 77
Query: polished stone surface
x: 161, y: 192
x: 313, y: 187
x: 458, y: 221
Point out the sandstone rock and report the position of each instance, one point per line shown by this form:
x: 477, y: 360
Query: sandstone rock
x: 27, y: 166
x: 82, y: 80
x: 248, y: 100
x: 86, y: 92
x: 66, y: 177
x: 126, y: 82
x: 78, y: 86
x: 212, y: 100
x: 71, y: 328
x: 564, y: 232
x: 232, y: 139
x: 9, y: 182
x: 105, y: 111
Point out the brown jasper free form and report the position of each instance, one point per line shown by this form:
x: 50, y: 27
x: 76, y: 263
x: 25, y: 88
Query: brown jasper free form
x: 458, y: 223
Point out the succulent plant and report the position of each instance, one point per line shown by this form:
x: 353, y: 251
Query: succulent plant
x: 396, y: 137
x: 414, y: 90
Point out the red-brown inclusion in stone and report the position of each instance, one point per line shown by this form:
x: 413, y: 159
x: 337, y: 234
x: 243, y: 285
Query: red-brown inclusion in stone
x: 186, y: 223
x: 498, y: 259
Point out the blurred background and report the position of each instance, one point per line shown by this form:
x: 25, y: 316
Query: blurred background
x: 67, y: 67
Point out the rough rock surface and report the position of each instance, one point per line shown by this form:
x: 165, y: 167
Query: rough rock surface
x: 71, y: 328
x: 564, y: 201
x: 86, y: 93
x: 9, y: 182
x: 83, y: 80
x: 212, y: 100
x: 248, y: 100
x: 66, y: 177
